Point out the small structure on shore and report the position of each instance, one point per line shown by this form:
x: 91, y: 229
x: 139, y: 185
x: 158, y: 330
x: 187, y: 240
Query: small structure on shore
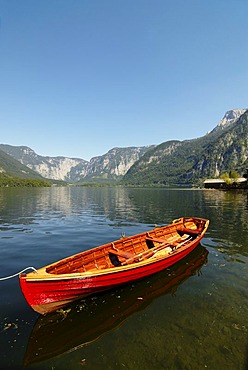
x: 214, y: 183
x: 239, y: 183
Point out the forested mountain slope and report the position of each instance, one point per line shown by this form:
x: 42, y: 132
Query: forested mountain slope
x: 186, y: 162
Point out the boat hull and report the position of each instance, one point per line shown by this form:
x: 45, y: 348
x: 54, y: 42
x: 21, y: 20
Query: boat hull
x: 58, y: 333
x: 51, y: 292
x: 48, y: 295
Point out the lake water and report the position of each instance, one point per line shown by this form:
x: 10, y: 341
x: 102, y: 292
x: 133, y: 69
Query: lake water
x: 193, y: 316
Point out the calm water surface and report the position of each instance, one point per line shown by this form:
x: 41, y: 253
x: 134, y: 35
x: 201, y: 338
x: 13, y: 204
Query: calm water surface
x: 193, y: 316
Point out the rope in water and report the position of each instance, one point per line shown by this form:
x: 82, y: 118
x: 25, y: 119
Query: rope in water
x: 18, y: 273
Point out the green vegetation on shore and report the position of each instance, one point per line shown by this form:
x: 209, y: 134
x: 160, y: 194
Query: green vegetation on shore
x: 10, y: 181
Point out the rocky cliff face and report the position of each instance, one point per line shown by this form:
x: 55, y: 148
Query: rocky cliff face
x: 10, y: 167
x: 229, y: 118
x: 110, y: 166
x: 56, y: 168
x: 114, y: 164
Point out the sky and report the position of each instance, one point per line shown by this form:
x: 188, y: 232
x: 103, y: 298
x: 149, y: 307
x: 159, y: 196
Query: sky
x: 80, y: 77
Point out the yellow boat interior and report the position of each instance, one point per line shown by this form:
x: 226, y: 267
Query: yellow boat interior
x: 132, y: 249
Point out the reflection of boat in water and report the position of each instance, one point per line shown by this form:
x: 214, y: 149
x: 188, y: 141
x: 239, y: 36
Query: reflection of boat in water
x: 87, y: 320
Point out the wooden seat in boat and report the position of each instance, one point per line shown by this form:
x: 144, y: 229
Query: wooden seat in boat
x: 121, y: 253
x: 154, y: 239
x: 183, y: 230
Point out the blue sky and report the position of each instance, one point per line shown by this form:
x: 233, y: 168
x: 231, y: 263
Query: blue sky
x: 79, y: 77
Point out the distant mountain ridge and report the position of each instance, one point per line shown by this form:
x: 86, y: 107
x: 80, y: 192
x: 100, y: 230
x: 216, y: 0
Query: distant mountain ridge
x: 173, y: 162
x: 106, y: 168
x: 186, y: 162
x: 56, y: 168
x: 9, y: 166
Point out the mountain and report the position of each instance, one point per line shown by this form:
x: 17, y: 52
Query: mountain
x: 173, y: 162
x: 230, y: 117
x: 108, y: 167
x: 10, y: 167
x: 227, y: 151
x: 56, y: 168
x: 114, y: 164
x: 187, y: 162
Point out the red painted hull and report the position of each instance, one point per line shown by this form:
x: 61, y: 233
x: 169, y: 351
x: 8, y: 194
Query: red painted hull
x: 55, y: 334
x: 48, y: 294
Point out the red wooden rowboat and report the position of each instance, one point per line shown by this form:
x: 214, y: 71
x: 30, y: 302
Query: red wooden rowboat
x: 107, y: 266
x: 68, y: 330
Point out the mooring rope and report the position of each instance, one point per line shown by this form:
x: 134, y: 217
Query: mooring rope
x: 18, y: 273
